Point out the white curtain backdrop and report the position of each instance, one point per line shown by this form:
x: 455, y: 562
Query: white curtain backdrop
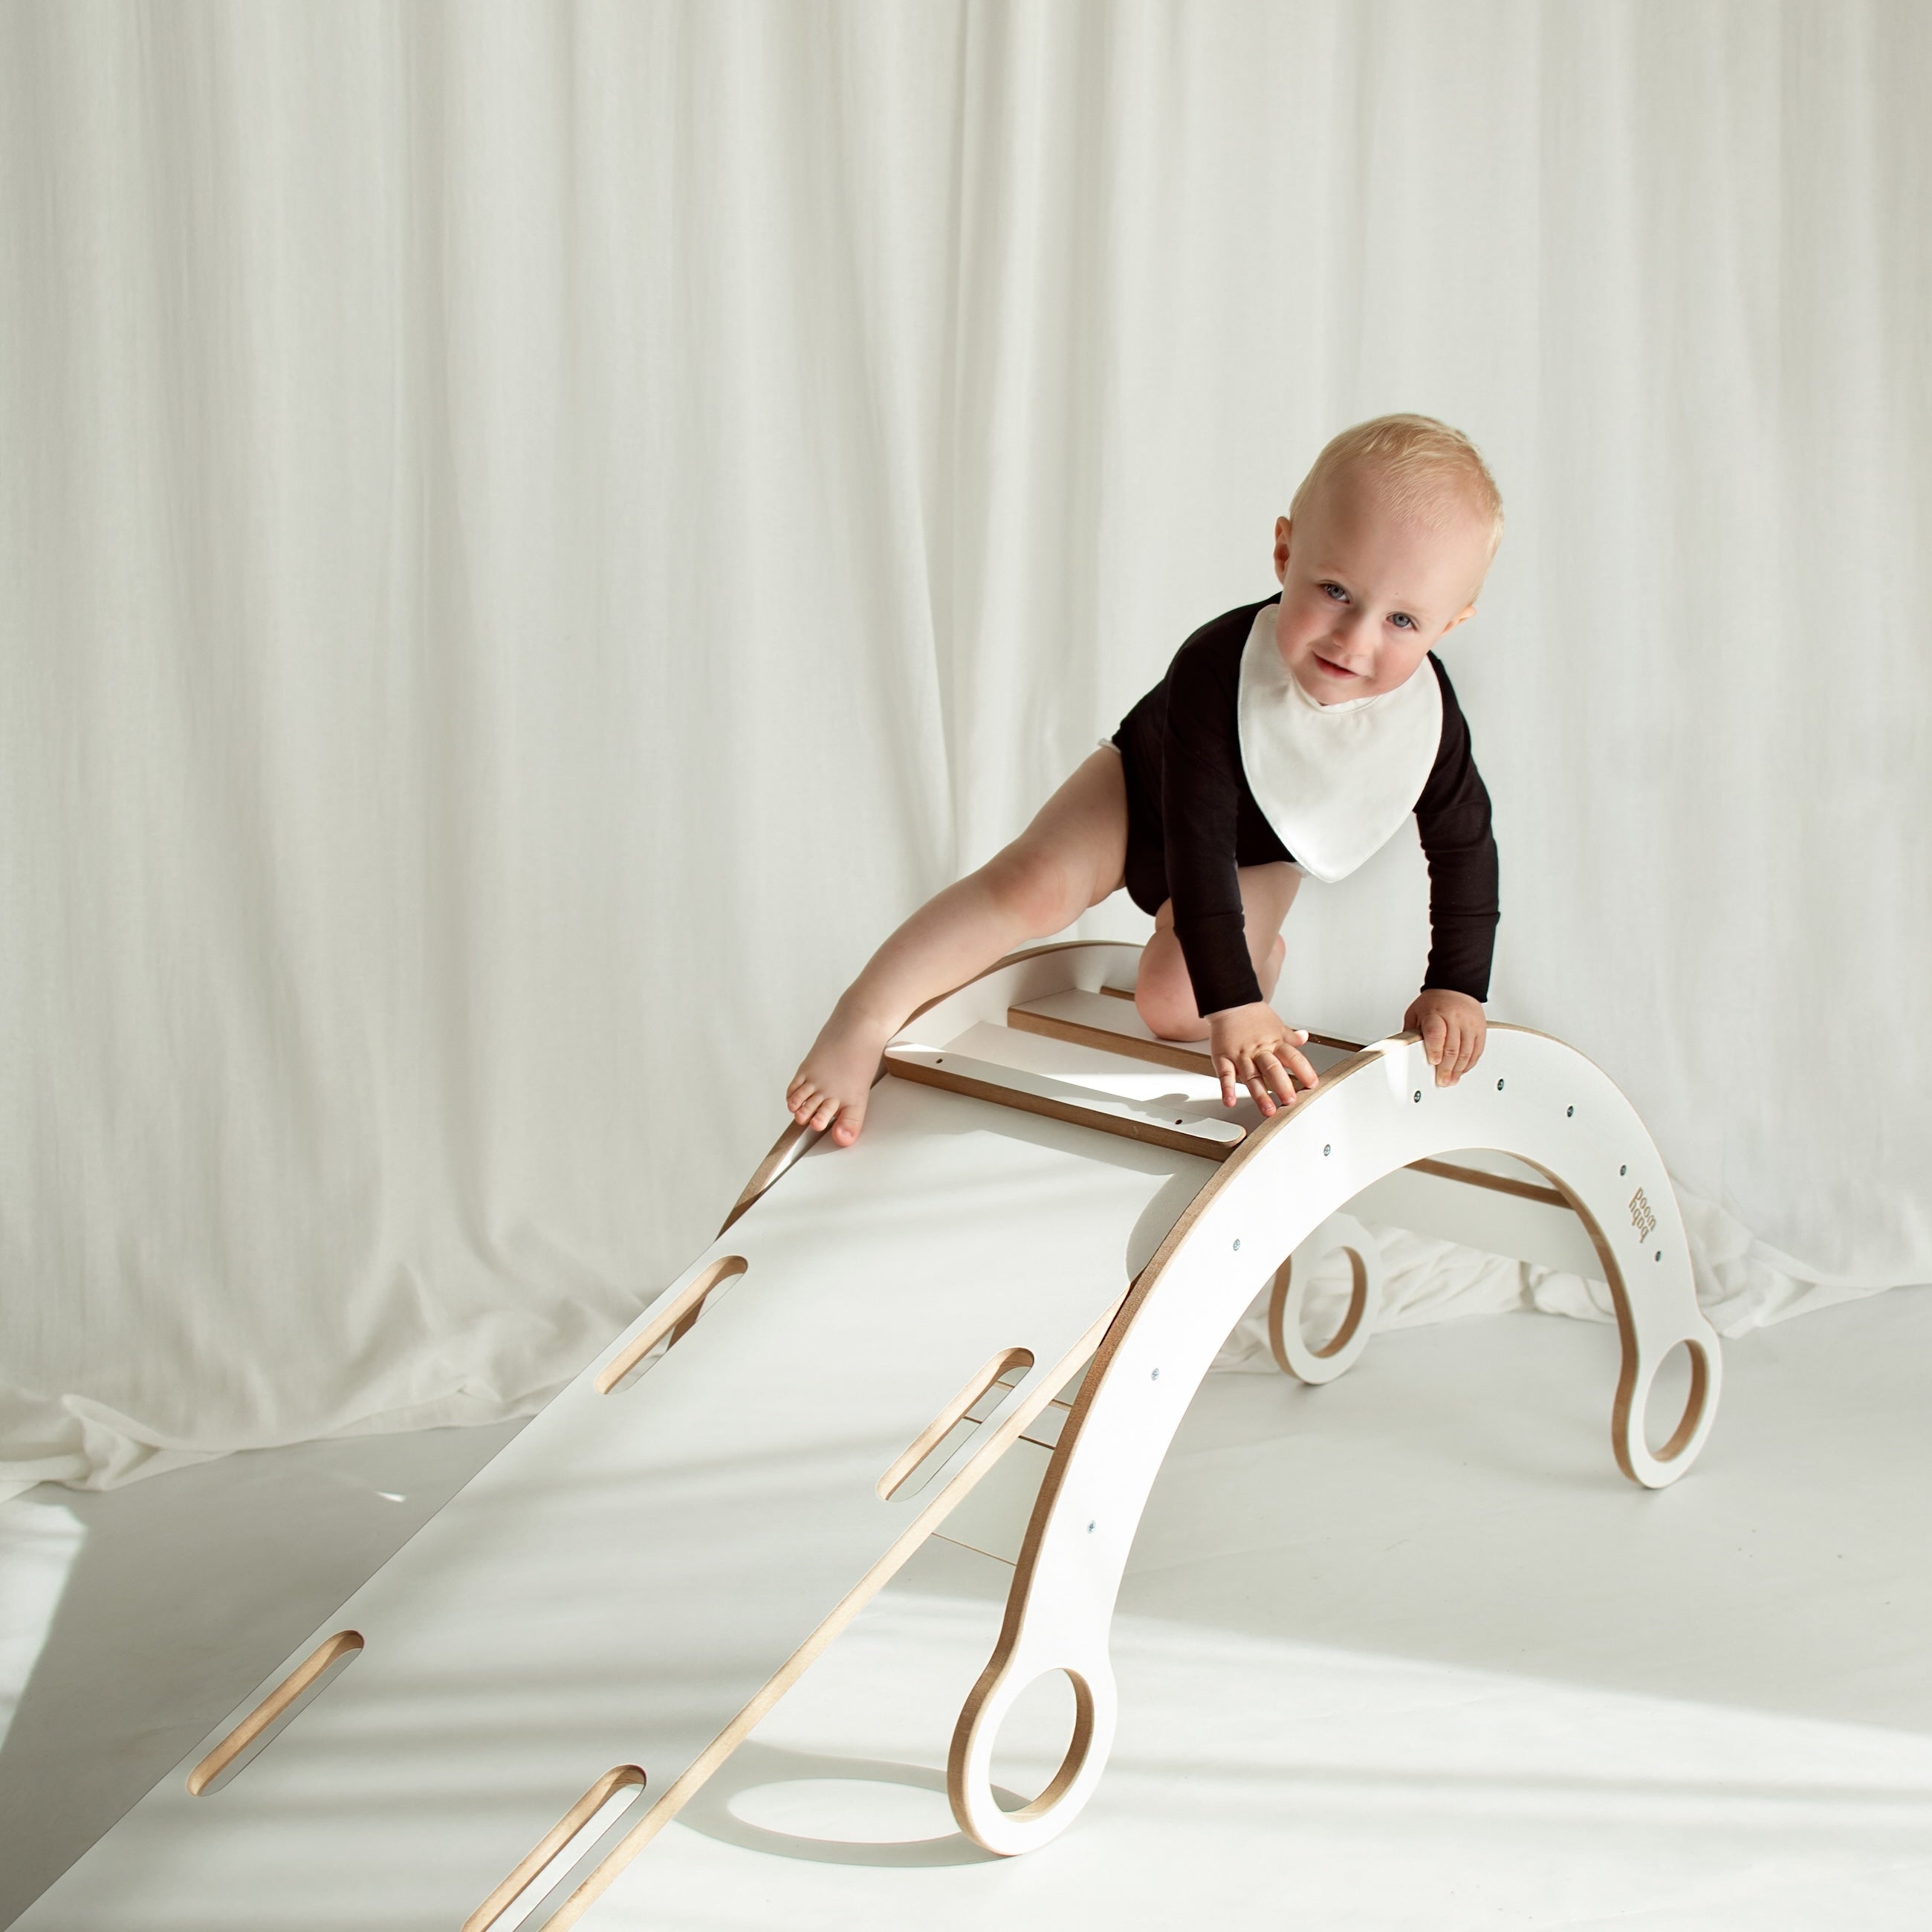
x: 529, y: 537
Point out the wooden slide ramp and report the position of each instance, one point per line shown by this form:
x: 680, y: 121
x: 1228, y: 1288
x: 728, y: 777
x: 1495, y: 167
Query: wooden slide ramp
x: 490, y: 1729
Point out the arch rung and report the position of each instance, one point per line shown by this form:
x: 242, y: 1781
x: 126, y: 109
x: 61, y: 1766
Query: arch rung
x: 1107, y: 1020
x: 1059, y: 1100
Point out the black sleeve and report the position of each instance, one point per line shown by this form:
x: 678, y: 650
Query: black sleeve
x: 1200, y: 791
x: 1453, y: 818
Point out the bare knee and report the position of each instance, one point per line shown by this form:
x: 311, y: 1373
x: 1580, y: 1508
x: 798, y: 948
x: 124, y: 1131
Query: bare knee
x: 1036, y: 890
x: 1164, y: 997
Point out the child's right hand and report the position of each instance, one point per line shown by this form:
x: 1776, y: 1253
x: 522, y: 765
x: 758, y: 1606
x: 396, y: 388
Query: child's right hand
x: 1252, y: 1048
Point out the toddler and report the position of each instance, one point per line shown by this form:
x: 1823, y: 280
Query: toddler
x: 1289, y: 736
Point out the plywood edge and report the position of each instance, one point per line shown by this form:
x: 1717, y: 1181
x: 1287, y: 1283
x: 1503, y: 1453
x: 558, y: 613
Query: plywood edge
x: 620, y: 1777
x: 681, y: 1789
x: 330, y: 1651
x: 1019, y: 958
x: 1159, y: 1052
x: 1127, y: 1126
x: 1314, y: 1039
x: 796, y: 1139
x: 1145, y: 1285
x: 1497, y: 1184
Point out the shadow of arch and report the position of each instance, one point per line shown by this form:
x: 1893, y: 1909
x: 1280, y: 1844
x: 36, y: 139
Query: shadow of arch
x: 713, y: 1810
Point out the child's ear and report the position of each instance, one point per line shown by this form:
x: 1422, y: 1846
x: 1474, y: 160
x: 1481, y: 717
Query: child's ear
x: 1462, y: 616
x: 1284, y: 532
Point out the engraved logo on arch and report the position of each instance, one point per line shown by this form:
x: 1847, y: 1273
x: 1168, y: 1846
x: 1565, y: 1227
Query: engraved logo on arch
x: 1642, y: 1218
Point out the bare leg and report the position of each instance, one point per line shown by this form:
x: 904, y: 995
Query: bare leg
x: 1164, y: 993
x: 1070, y: 857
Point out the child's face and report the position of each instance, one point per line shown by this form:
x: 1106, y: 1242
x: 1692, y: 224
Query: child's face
x: 1366, y: 593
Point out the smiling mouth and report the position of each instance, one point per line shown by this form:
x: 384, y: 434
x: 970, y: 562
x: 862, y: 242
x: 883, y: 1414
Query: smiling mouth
x: 1334, y: 670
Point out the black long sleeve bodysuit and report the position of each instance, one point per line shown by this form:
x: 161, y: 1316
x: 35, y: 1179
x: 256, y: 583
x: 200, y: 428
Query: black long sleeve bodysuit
x: 1192, y: 821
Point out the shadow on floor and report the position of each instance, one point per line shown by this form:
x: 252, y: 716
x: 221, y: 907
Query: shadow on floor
x: 180, y: 1594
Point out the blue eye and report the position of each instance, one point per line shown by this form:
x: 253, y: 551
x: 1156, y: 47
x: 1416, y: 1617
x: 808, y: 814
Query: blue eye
x: 1335, y: 591
x: 1403, y: 618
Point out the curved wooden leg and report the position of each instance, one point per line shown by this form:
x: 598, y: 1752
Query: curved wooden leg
x: 969, y: 1768
x: 1651, y: 1326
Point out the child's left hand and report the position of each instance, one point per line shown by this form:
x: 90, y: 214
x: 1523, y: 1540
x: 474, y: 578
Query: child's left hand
x: 1454, y: 1027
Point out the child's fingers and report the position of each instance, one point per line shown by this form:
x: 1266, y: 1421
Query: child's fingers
x: 1472, y: 1047
x: 1247, y: 1071
x: 1461, y: 1051
x: 1435, y: 1037
x: 1224, y: 1070
x: 1250, y: 1072
x: 1274, y: 1083
x: 1280, y: 1081
x: 1270, y: 1073
x: 1300, y: 1065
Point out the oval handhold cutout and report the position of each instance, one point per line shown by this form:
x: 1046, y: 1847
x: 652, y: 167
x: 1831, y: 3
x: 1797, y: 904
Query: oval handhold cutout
x: 586, y: 1821
x: 936, y: 1442
x: 268, y: 1718
x: 670, y: 1323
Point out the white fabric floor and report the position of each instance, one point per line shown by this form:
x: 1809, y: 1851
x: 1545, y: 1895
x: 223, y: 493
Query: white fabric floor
x: 1401, y: 1653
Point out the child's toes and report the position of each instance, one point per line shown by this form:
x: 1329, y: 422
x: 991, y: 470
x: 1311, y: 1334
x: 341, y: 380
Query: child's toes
x: 845, y: 1129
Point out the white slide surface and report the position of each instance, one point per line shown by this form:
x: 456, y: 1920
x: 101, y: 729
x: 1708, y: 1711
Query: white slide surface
x: 637, y: 1568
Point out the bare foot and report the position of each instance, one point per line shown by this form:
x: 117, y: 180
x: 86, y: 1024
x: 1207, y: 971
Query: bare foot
x: 831, y: 1087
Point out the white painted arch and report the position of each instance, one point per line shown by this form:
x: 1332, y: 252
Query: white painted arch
x: 1531, y: 1097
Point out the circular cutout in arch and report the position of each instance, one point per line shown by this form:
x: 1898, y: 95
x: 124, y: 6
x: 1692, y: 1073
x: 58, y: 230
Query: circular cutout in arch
x: 1311, y: 1362
x: 1684, y: 1369
x: 1079, y: 1740
x: 976, y: 1805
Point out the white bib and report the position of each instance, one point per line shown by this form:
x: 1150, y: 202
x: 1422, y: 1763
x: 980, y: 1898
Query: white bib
x: 1335, y: 781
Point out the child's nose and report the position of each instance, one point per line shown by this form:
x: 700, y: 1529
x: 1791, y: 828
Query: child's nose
x: 1349, y: 633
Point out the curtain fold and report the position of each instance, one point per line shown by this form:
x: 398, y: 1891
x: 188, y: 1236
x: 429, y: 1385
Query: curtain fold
x: 531, y: 536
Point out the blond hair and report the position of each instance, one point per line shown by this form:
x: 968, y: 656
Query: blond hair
x: 1421, y: 468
